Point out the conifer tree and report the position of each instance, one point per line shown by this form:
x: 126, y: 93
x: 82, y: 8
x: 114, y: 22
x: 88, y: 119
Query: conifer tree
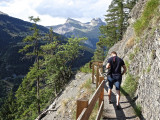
x: 32, y: 49
x: 116, y: 24
x: 9, y: 108
x: 59, y: 59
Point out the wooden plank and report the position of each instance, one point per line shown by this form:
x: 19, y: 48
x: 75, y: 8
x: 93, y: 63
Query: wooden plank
x: 98, y: 117
x: 97, y: 62
x: 100, y: 65
x: 81, y: 104
x: 101, y: 97
x: 94, y: 76
x: 100, y: 72
x: 80, y: 116
x: 97, y: 77
x: 92, y: 102
x: 90, y: 65
x: 93, y: 70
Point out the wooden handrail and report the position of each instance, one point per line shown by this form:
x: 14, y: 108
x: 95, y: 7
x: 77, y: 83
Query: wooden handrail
x: 87, y: 110
x: 85, y: 107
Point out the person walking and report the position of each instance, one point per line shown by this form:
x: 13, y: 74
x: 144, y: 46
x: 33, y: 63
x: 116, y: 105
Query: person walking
x: 114, y: 65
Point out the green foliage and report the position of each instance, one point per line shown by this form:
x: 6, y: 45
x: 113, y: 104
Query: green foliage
x: 49, y: 73
x: 136, y: 50
x: 149, y: 69
x: 130, y: 85
x: 148, y: 13
x: 9, y: 108
x: 138, y: 110
x: 116, y: 24
x: 131, y: 56
x: 127, y: 65
x: 86, y: 68
x: 88, y: 84
x: 99, y: 54
x: 32, y: 49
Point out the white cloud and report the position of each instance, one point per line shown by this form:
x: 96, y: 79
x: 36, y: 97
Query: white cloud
x: 54, y: 12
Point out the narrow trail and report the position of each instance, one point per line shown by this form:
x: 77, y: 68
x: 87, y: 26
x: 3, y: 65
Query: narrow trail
x: 110, y: 112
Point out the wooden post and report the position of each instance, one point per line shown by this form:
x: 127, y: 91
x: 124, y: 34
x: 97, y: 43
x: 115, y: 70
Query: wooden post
x: 92, y: 72
x: 97, y: 76
x: 81, y: 104
x: 90, y: 65
x: 101, y: 97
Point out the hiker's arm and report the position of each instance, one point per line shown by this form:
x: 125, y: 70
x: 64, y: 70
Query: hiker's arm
x: 108, y: 65
x: 124, y: 69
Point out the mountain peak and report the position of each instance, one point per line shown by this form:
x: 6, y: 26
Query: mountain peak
x: 70, y: 20
x: 1, y: 13
x: 96, y: 21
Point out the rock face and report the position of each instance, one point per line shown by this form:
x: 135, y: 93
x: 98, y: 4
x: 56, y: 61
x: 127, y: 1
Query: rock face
x: 142, y: 55
x: 78, y: 29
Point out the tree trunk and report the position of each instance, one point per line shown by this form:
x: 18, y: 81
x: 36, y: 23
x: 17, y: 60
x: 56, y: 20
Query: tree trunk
x: 38, y: 81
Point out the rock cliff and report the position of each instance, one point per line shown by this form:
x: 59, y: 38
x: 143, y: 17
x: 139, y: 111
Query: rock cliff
x: 141, y: 53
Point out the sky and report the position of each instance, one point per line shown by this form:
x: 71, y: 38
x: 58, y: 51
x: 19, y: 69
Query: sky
x: 54, y: 12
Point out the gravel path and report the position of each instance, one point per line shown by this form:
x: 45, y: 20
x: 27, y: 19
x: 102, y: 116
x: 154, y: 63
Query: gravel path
x: 126, y: 111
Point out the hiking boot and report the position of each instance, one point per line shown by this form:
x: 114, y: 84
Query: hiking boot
x: 117, y: 107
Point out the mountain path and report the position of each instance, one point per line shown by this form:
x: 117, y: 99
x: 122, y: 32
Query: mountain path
x: 110, y: 112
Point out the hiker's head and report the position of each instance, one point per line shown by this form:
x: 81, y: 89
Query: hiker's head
x: 113, y: 53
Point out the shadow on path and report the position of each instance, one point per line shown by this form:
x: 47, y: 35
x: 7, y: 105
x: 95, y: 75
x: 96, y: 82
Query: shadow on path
x: 132, y: 102
x: 110, y: 110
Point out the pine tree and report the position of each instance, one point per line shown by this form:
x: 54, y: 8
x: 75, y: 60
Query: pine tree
x: 9, y: 108
x: 59, y: 59
x: 116, y: 25
x: 32, y: 49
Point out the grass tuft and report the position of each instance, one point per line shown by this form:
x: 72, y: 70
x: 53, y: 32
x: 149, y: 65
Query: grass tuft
x: 131, y: 56
x: 86, y: 68
x: 127, y: 64
x: 88, y: 84
x: 138, y: 110
x: 148, y: 13
x: 130, y: 85
x: 149, y: 69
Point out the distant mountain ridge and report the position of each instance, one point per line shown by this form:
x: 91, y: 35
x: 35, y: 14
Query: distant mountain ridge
x: 79, y: 29
x: 12, y: 67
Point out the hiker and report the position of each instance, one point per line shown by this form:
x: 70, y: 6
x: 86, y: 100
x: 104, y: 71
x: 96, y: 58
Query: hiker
x: 114, y: 65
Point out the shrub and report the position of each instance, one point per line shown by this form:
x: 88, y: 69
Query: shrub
x: 130, y: 85
x: 143, y: 22
x: 138, y: 110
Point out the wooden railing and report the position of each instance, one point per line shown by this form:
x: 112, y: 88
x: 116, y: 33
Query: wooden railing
x: 85, y: 107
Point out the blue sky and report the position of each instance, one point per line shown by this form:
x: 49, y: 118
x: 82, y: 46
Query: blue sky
x: 53, y: 12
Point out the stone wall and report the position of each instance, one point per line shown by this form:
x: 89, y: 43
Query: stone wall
x: 143, y: 55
